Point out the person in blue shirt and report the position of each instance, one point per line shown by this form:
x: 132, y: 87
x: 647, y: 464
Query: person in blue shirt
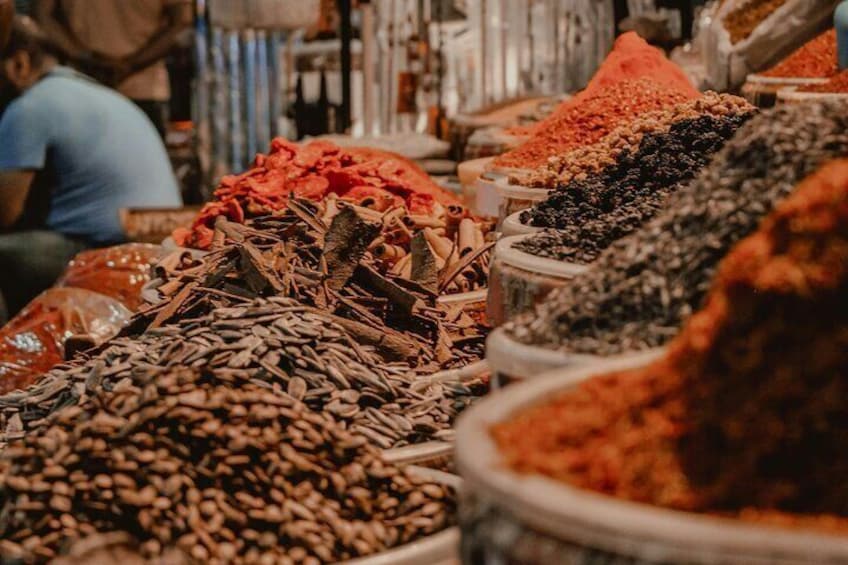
x: 73, y: 153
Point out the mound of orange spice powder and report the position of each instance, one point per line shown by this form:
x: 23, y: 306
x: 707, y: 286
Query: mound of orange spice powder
x: 593, y: 118
x: 814, y: 59
x: 745, y: 415
x: 631, y: 58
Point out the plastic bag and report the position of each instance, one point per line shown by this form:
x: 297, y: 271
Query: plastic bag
x: 119, y: 272
x: 786, y: 29
x: 35, y: 339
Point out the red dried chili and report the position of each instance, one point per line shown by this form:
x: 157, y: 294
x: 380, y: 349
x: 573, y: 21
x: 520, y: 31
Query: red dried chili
x: 312, y: 171
x: 745, y: 415
x: 593, y: 117
x: 814, y: 59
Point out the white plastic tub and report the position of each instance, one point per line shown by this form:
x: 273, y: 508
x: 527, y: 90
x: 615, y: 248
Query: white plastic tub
x: 518, y: 280
x: 512, y: 225
x: 529, y: 519
x: 511, y: 361
x: 763, y: 91
x: 515, y: 198
x: 792, y: 96
x: 487, y: 198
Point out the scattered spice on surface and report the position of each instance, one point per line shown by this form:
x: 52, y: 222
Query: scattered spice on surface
x: 744, y: 416
x: 815, y: 59
x: 593, y: 118
x: 591, y: 214
x: 636, y: 295
x: 742, y: 21
x: 838, y: 84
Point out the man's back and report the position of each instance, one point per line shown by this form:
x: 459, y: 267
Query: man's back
x: 98, y: 148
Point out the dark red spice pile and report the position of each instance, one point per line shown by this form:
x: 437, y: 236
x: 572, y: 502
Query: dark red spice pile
x: 745, y: 415
x: 596, y: 116
x: 814, y: 59
x: 368, y: 177
x: 838, y: 84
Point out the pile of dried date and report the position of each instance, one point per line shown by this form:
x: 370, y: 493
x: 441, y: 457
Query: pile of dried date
x: 221, y: 467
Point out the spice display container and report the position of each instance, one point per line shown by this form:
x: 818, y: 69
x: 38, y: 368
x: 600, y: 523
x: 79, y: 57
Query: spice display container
x: 511, y: 361
x: 763, y: 91
x: 512, y: 225
x: 518, y: 280
x: 510, y: 518
x: 792, y: 96
x: 487, y: 198
x: 515, y: 198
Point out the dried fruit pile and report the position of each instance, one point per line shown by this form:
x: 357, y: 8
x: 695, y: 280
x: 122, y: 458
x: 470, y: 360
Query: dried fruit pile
x: 589, y: 215
x: 313, y: 171
x: 581, y: 163
x: 639, y: 291
x: 741, y: 22
x: 223, y: 468
x: 745, y: 414
x: 814, y: 59
x: 119, y: 272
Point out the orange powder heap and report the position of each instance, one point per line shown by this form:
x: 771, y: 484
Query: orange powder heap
x: 631, y: 58
x: 814, y: 59
x: 592, y: 119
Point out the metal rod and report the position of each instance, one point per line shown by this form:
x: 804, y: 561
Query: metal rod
x: 368, y: 50
x: 346, y: 36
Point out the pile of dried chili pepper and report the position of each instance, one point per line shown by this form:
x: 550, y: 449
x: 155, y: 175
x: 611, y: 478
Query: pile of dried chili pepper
x: 745, y: 415
x: 368, y: 177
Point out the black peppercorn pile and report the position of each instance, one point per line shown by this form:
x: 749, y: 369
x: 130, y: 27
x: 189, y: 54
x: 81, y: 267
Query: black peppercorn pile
x: 593, y: 213
x: 637, y: 294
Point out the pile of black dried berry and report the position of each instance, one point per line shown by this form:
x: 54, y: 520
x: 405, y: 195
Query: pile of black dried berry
x: 591, y: 214
x: 637, y: 294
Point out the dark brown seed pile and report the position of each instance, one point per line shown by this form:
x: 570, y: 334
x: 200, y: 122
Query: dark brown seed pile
x: 301, y: 352
x: 591, y: 214
x: 222, y: 468
x: 638, y: 292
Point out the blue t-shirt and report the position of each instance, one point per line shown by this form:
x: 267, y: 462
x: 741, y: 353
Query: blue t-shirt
x: 101, y: 152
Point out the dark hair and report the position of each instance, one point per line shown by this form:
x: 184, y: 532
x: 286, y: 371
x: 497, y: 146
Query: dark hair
x: 27, y: 36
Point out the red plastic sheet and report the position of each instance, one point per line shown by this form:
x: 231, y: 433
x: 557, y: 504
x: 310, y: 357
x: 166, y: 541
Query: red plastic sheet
x: 33, y: 341
x: 119, y: 272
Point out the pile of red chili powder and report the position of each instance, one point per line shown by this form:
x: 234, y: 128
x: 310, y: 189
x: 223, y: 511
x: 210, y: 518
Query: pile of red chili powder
x: 314, y: 170
x: 745, y: 415
x: 814, y: 59
x: 634, y: 79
